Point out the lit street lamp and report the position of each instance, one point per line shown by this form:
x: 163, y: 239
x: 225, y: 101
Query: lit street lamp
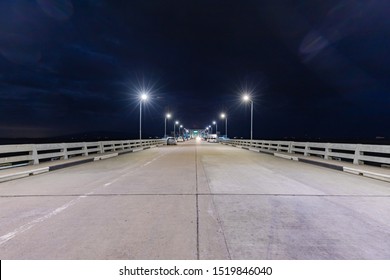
x: 211, y: 129
x: 247, y: 98
x: 224, y: 116
x: 174, y: 128
x: 216, y: 127
x: 181, y: 126
x: 167, y: 116
x: 143, y: 97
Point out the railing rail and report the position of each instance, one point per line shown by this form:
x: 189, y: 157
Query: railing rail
x: 354, y: 153
x: 25, y: 154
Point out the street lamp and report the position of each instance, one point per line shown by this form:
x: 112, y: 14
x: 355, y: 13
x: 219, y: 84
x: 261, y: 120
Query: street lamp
x: 216, y: 127
x: 211, y: 129
x: 246, y: 97
x: 181, y: 126
x: 143, y: 98
x: 224, y: 116
x: 167, y: 116
x: 174, y: 128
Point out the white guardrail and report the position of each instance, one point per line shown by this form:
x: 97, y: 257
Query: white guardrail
x: 25, y: 154
x: 354, y: 153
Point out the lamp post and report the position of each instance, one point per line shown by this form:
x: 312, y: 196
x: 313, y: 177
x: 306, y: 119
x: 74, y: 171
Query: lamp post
x: 211, y: 129
x: 247, y: 98
x: 174, y: 128
x: 224, y: 116
x: 181, y: 126
x: 216, y: 127
x: 167, y: 116
x: 143, y: 97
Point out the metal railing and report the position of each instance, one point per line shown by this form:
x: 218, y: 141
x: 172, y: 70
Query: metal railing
x: 354, y: 153
x: 18, y: 155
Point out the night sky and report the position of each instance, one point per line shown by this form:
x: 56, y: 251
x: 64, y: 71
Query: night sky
x: 315, y: 69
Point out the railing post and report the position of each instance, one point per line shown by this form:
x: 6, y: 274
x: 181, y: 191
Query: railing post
x: 34, y: 154
x: 65, y: 150
x: 101, y: 146
x: 358, y: 153
x: 327, y: 150
x: 85, y: 148
x: 306, y: 149
x: 290, y: 146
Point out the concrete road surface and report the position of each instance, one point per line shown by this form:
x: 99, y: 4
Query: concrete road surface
x: 195, y: 200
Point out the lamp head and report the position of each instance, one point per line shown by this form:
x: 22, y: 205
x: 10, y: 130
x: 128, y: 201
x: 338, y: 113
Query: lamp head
x: 246, y: 97
x: 144, y: 96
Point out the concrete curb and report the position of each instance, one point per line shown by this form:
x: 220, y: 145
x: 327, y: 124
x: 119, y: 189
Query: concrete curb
x: 22, y: 174
x: 322, y: 164
x: 355, y: 171
x: 36, y: 171
x: 369, y: 174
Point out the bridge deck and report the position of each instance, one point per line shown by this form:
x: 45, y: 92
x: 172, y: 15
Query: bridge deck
x: 190, y: 201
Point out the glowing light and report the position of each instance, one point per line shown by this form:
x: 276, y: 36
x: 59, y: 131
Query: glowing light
x: 168, y: 116
x: 144, y: 96
x: 142, y: 89
x: 246, y: 97
x: 223, y: 116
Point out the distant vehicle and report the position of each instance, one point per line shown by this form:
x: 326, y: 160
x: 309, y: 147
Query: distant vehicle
x: 171, y: 141
x: 180, y: 139
x: 212, y: 138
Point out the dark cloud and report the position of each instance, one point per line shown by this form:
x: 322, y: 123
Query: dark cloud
x: 57, y: 9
